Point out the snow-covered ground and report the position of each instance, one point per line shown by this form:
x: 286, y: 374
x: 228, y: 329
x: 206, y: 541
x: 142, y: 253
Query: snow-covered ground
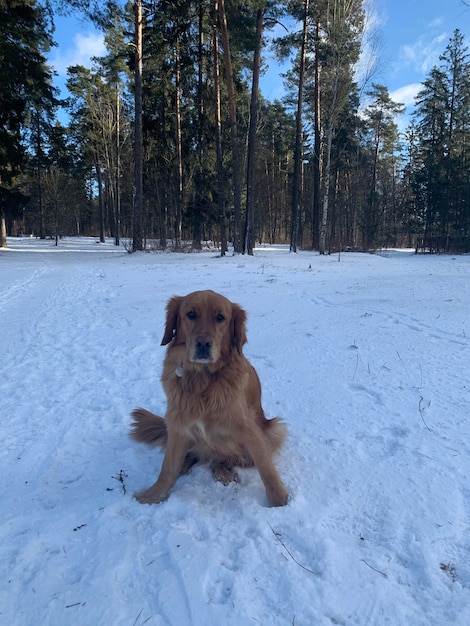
x: 367, y: 359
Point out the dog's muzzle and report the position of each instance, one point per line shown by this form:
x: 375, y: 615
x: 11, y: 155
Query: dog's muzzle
x: 202, y: 352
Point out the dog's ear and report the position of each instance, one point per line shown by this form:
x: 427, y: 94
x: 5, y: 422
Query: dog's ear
x: 238, y: 328
x: 172, y: 314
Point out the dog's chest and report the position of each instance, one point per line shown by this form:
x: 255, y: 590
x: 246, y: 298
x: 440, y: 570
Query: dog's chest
x: 198, y: 429
x: 201, y: 432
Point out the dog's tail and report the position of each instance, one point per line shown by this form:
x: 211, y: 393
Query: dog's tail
x: 275, y: 432
x: 148, y: 428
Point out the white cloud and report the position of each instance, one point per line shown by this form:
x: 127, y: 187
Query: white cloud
x: 406, y: 94
x: 436, y: 23
x: 79, y: 52
x: 424, y: 53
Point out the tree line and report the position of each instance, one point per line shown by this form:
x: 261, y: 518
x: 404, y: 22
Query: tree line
x: 169, y: 141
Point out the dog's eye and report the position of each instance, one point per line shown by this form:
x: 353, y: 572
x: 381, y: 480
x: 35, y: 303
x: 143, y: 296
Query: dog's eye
x: 191, y: 315
x: 220, y: 317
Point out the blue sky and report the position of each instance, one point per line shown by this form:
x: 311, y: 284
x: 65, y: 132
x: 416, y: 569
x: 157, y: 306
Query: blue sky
x: 414, y: 34
x: 411, y: 34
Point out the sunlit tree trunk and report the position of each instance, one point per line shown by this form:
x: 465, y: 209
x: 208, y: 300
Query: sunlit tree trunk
x: 218, y: 139
x: 179, y: 153
x: 117, y: 217
x: 296, y: 178
x: 236, y: 165
x: 42, y: 233
x: 3, y: 230
x: 252, y: 134
x: 138, y: 237
x: 316, y: 140
x: 326, y: 190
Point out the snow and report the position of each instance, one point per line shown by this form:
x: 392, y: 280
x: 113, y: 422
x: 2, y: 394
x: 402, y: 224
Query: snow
x: 366, y: 357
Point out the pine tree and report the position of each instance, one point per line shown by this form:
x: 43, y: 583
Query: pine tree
x: 382, y: 138
x: 441, y: 164
x: 25, y: 88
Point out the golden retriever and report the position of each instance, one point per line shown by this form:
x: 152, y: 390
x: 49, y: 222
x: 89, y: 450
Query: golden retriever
x: 214, y: 411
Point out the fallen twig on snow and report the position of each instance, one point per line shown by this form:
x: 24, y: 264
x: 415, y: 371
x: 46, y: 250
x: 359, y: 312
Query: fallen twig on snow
x: 421, y: 413
x: 137, y: 619
x: 375, y: 569
x: 120, y: 478
x: 278, y: 537
x: 402, y: 361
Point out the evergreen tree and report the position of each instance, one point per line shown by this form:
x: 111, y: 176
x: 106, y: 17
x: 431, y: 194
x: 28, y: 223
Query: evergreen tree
x: 328, y: 47
x: 381, y: 140
x: 26, y: 92
x: 440, y: 169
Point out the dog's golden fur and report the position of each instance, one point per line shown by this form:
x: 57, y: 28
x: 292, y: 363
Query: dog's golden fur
x: 214, y: 411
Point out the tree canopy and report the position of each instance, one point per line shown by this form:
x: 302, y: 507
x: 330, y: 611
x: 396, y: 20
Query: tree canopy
x: 324, y: 168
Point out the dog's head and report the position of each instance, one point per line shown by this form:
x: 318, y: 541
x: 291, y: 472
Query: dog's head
x: 210, y: 326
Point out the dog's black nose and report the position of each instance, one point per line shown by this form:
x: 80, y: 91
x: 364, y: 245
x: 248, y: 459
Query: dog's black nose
x: 203, y: 345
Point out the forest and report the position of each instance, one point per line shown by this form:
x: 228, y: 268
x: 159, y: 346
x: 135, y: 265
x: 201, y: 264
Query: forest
x: 168, y: 142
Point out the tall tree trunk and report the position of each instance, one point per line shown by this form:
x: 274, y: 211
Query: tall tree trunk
x: 200, y: 184
x: 326, y: 190
x: 42, y: 233
x: 298, y: 138
x: 332, y: 113
x: 179, y: 152
x: 316, y: 141
x: 99, y: 179
x: 252, y: 135
x: 138, y: 237
x: 218, y: 139
x: 3, y: 230
x: 371, y: 221
x: 117, y: 217
x: 236, y: 163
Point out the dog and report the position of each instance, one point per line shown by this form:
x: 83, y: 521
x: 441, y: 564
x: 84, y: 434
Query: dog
x: 214, y: 413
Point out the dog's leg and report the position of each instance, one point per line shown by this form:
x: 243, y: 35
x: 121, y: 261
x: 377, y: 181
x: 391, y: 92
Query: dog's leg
x: 275, y: 489
x: 173, y: 460
x: 189, y: 461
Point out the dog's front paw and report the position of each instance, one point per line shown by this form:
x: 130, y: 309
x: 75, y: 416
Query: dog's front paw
x: 150, y: 497
x: 278, y: 497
